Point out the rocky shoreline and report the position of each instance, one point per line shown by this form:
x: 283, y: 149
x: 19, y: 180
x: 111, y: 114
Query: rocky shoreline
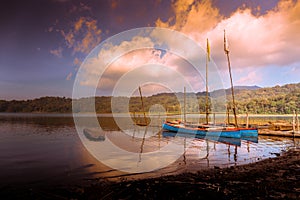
x: 273, y: 178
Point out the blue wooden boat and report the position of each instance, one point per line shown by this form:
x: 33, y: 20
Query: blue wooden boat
x: 208, y: 131
x: 213, y: 131
x: 248, y: 132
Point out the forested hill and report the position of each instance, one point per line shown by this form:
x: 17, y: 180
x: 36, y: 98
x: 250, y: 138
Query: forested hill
x: 275, y: 100
x: 279, y: 99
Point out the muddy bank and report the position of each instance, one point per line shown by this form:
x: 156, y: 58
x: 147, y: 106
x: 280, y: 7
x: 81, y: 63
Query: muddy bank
x: 276, y: 178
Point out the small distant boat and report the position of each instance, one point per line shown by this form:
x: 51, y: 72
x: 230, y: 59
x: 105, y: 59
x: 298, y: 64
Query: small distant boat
x: 93, y: 135
x: 141, y: 123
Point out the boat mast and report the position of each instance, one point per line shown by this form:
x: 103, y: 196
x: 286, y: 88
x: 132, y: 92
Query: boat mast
x: 143, y: 109
x: 184, y: 105
x: 207, y: 60
x: 226, y: 50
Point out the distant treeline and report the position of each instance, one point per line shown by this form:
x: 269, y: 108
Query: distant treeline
x: 276, y: 100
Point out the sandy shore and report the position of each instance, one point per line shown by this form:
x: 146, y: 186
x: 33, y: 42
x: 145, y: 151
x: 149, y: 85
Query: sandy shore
x: 274, y: 178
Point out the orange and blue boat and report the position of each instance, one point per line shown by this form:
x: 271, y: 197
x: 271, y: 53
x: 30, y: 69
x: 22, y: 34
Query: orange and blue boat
x: 210, y: 130
x: 202, y: 130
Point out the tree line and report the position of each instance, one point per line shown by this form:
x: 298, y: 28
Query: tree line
x: 274, y: 100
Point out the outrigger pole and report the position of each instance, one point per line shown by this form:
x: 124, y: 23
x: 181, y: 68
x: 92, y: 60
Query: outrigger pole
x: 207, y: 60
x: 143, y: 109
x: 226, y: 50
x: 184, y: 105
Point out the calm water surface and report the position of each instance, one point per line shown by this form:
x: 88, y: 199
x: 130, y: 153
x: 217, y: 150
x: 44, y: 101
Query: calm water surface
x: 46, y: 149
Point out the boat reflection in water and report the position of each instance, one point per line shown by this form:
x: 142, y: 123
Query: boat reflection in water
x: 204, y: 142
x: 226, y: 140
x: 219, y: 151
x: 198, y: 152
x: 46, y: 148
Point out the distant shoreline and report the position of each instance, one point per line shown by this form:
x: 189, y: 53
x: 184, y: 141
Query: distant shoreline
x: 137, y: 114
x: 273, y: 101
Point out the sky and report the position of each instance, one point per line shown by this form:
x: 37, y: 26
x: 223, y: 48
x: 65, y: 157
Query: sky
x: 44, y: 42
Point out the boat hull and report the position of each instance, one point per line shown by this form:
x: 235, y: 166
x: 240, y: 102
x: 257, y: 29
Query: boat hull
x: 248, y: 132
x: 209, y: 132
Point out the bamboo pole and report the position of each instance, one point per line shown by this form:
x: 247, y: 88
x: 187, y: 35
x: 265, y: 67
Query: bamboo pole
x: 207, y: 149
x: 206, y: 102
x: 293, y: 123
x: 235, y: 155
x: 184, y: 105
x: 143, y: 109
x: 142, y: 144
x: 184, y: 151
x: 247, y: 120
x: 134, y: 116
x: 297, y: 121
x: 229, y: 69
x: 227, y: 112
x: 214, y: 118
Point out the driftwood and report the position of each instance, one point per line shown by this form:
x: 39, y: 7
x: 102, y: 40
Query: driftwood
x: 281, y: 126
x: 279, y: 133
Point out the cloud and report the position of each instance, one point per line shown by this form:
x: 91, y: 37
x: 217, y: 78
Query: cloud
x: 81, y: 8
x: 50, y: 29
x: 255, y: 40
x: 191, y: 16
x: 176, y: 54
x: 113, y: 4
x: 69, y: 76
x: 94, y: 66
x: 83, y: 36
x: 57, y: 52
x: 77, y: 62
x: 251, y: 78
x: 181, y: 9
x: 134, y: 56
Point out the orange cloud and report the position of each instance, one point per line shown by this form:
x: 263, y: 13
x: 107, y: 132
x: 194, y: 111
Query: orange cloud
x: 114, y: 4
x: 77, y: 62
x: 84, y: 35
x: 255, y: 40
x: 78, y: 24
x: 69, y: 38
x: 191, y: 16
x: 57, y: 52
x: 81, y: 8
x: 69, y: 76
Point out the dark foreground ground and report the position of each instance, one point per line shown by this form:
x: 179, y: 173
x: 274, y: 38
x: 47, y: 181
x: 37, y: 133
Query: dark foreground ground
x: 276, y: 178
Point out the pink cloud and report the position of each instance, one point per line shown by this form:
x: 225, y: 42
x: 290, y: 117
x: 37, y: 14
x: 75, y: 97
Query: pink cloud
x: 57, y: 52
x: 69, y: 76
x: 77, y: 62
x: 269, y: 39
x: 250, y: 79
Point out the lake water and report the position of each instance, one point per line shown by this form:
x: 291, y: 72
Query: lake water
x: 37, y: 149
